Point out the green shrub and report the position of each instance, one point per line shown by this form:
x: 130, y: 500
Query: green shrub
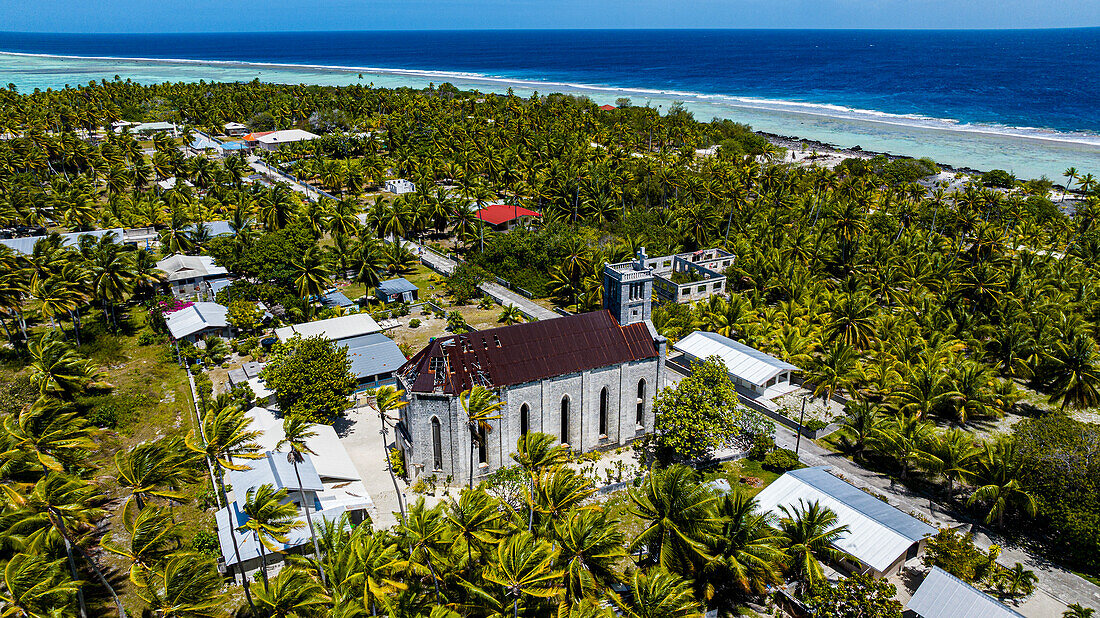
x: 485, y: 303
x: 414, y: 323
x: 146, y: 337
x: 762, y: 444
x: 781, y: 460
x: 115, y: 411
x: 206, y: 543
x: 815, y: 424
x: 998, y: 178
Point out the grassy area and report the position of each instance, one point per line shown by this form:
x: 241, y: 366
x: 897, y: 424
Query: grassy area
x: 429, y: 282
x: 150, y: 399
x: 734, y: 471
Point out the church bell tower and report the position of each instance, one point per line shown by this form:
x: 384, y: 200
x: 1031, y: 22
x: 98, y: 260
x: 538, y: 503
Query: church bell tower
x: 628, y: 289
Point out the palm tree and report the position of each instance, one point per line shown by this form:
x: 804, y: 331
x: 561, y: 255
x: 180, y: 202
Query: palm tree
x: 907, y: 438
x: 536, y: 453
x: 311, y: 275
x: 1071, y: 175
x: 1016, y: 581
x: 377, y: 558
x: 270, y: 519
x: 836, y: 369
x: 388, y: 400
x: 747, y: 550
x: 477, y: 521
x: 187, y: 585
x: 159, y: 468
x: 47, y: 435
x: 152, y: 537
x: 425, y: 534
x: 956, y: 454
x: 996, y: 474
x: 656, y: 593
x: 811, y: 531
x: 510, y: 314
x: 524, y: 567
x: 679, y: 519
x: 1078, y: 611
x: 1075, y: 373
x: 481, y: 406
x: 57, y: 506
x: 35, y: 587
x: 292, y: 594
x: 591, y: 548
x: 57, y: 369
x: 860, y: 427
x: 296, y: 434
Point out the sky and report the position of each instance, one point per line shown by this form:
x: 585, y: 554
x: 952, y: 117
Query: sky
x: 87, y: 16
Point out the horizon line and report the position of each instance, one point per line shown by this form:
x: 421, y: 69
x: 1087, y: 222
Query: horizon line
x: 569, y: 29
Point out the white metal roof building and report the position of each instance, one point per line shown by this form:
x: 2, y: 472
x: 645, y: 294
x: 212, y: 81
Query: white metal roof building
x: 399, y: 186
x: 942, y: 595
x: 179, y: 267
x: 25, y: 245
x: 763, y: 374
x: 879, y: 536
x: 334, y: 329
x: 150, y: 127
x: 277, y: 139
x: 197, y: 320
x: 333, y: 486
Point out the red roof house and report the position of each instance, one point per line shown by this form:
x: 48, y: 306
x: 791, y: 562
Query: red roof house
x: 503, y: 216
x: 251, y: 137
x: 608, y: 108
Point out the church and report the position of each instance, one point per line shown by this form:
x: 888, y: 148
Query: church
x: 589, y: 379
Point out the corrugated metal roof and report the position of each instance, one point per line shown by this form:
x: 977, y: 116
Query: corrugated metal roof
x: 396, y: 286
x: 373, y: 354
x: 742, y: 361
x: 878, y: 534
x: 26, y: 244
x: 247, y: 544
x: 336, y: 299
x: 195, y: 318
x: 282, y: 137
x: 189, y: 266
x: 330, y: 459
x: 528, y: 352
x: 274, y: 469
x: 343, y: 327
x: 942, y: 595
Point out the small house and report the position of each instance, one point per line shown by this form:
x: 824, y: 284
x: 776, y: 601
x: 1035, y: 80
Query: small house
x: 234, y: 129
x: 190, y: 275
x: 399, y: 186
x: 942, y: 595
x: 148, y: 128
x: 756, y: 374
x: 503, y: 217
x: 277, y: 139
x: 399, y: 290
x: 196, y: 321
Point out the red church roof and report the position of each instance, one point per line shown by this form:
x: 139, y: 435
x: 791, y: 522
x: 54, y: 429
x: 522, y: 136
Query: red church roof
x: 502, y: 213
x: 608, y: 108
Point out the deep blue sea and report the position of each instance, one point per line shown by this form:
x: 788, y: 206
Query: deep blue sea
x: 1032, y: 84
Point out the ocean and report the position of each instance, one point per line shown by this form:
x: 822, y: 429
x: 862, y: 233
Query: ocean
x: 1021, y: 100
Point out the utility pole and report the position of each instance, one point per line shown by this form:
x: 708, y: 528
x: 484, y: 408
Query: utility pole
x: 798, y: 440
